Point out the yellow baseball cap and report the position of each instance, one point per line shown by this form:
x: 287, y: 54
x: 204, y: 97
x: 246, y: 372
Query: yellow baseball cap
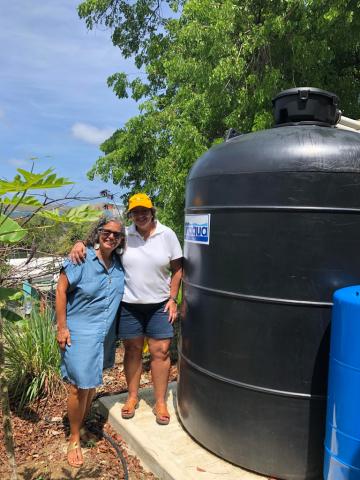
x: 139, y: 200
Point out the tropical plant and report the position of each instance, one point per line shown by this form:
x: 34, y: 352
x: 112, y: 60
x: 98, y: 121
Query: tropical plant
x: 32, y: 358
x: 15, y: 194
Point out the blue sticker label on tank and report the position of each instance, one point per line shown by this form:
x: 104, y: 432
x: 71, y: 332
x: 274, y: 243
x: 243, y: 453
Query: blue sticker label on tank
x: 197, y: 229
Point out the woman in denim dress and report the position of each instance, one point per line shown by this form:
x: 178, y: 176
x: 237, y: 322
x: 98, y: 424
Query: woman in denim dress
x: 153, y: 270
x: 87, y: 299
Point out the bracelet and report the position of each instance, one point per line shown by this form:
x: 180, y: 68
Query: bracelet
x: 173, y: 298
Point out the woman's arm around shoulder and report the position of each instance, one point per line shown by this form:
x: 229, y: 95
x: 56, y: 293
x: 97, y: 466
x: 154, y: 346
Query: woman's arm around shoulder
x: 78, y: 252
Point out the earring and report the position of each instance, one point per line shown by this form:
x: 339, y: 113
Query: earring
x: 119, y: 250
x: 96, y: 246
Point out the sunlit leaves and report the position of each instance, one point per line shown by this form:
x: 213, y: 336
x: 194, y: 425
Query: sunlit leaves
x: 10, y: 231
x: 26, y: 180
x: 17, y: 199
x: 119, y: 84
x: 81, y: 214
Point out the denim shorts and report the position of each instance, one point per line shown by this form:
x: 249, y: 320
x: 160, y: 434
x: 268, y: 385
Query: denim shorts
x: 144, y: 320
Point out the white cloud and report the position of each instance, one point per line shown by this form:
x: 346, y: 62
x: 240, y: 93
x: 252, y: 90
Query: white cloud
x: 16, y: 162
x: 91, y: 134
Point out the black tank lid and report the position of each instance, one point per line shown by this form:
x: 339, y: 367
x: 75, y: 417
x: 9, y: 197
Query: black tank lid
x: 306, y: 105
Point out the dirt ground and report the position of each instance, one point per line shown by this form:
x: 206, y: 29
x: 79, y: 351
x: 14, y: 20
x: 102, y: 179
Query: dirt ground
x: 40, y: 436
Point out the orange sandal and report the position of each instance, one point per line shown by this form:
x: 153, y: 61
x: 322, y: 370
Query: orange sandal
x: 162, y: 415
x: 128, y: 410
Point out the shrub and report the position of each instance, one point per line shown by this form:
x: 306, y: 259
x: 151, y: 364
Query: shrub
x: 32, y: 358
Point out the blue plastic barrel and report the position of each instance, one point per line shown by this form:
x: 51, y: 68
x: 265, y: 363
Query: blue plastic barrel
x: 342, y: 441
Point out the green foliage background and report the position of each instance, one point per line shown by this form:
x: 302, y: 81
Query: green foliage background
x: 211, y: 65
x: 52, y: 238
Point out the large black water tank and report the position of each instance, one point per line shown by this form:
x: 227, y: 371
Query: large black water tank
x: 273, y: 228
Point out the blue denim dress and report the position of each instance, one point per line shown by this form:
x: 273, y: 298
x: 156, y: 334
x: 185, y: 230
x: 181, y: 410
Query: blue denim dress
x: 93, y: 299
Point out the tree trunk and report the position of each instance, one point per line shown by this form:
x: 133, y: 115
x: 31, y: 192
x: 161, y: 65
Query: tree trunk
x: 4, y: 398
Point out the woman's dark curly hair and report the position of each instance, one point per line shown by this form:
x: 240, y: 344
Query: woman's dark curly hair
x: 93, y: 236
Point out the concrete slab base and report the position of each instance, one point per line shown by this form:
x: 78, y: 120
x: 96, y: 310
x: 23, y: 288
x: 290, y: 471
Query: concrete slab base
x: 167, y: 451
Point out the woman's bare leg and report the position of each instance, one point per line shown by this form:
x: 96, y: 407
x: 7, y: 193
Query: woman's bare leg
x: 86, y: 435
x: 89, y: 400
x: 76, y: 404
x: 160, y: 369
x: 133, y: 368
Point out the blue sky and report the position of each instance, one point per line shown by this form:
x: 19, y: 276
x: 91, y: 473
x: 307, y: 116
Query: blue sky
x: 54, y: 101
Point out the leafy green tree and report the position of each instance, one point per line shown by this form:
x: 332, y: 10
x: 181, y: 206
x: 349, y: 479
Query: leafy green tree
x: 13, y: 195
x: 211, y: 66
x: 42, y: 236
x: 70, y: 235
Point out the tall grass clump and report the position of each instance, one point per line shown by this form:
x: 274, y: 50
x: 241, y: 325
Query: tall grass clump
x: 32, y: 358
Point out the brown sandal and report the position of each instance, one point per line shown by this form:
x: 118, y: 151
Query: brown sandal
x: 162, y: 415
x: 128, y: 410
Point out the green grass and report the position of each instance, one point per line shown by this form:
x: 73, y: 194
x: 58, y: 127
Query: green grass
x: 32, y: 358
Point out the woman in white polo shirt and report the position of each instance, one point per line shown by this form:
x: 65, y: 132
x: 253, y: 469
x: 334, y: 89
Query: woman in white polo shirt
x: 153, y: 268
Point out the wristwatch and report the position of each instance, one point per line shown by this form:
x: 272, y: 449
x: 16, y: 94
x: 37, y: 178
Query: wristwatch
x: 173, y: 298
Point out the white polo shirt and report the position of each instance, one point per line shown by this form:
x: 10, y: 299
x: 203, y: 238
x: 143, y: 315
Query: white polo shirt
x: 147, y: 264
